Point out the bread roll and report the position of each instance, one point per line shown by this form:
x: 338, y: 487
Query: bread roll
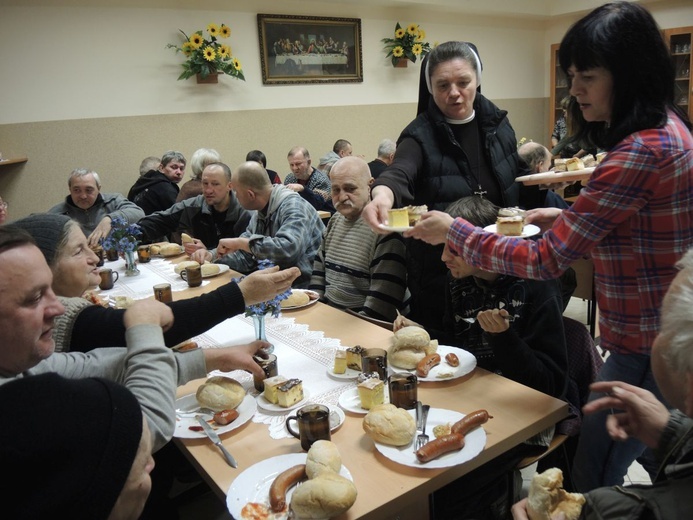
x: 169, y: 250
x: 210, y: 269
x: 547, y: 497
x: 387, y: 424
x: 186, y: 239
x: 180, y: 266
x: 412, y: 337
x: 325, y: 496
x: 155, y: 249
x: 407, y: 358
x: 220, y: 393
x: 323, y: 456
x: 295, y: 299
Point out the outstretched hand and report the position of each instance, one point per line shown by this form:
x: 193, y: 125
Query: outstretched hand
x: 375, y: 212
x: 432, y: 228
x: 265, y: 284
x: 639, y: 413
x: 149, y: 312
x: 542, y: 217
x: 238, y: 357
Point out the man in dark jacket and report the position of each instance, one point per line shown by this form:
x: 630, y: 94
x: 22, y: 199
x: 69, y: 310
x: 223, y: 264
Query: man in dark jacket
x: 207, y: 218
x: 157, y: 190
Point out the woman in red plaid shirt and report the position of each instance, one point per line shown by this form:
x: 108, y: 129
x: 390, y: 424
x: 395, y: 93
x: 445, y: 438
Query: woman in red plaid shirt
x: 634, y: 216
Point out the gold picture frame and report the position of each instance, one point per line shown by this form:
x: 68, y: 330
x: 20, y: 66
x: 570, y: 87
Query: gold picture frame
x: 309, y: 49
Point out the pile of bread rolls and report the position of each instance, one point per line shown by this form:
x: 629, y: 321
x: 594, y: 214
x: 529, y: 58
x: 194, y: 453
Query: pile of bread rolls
x: 409, y: 346
x: 325, y: 494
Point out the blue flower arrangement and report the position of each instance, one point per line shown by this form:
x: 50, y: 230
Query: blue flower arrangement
x: 123, y: 237
x: 271, y: 306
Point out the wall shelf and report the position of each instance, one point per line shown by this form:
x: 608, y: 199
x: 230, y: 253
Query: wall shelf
x: 13, y: 160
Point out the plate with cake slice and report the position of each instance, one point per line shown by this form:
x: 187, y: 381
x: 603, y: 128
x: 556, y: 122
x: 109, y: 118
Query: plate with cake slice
x: 528, y: 230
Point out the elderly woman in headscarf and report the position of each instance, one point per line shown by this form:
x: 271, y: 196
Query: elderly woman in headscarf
x: 460, y: 144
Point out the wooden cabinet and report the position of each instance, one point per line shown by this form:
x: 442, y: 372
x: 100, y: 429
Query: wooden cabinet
x: 13, y: 160
x: 680, y: 41
x: 559, y: 90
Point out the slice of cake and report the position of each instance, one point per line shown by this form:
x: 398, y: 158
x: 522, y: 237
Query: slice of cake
x: 271, y: 386
x: 290, y: 393
x: 353, y: 357
x: 600, y: 156
x: 340, y: 361
x: 589, y: 161
x: 510, y: 221
x: 398, y: 217
x: 559, y: 165
x: 574, y: 164
x: 371, y: 393
x: 415, y: 213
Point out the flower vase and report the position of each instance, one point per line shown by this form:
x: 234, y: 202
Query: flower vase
x: 212, y: 77
x: 260, y: 334
x: 130, y: 265
x: 402, y: 63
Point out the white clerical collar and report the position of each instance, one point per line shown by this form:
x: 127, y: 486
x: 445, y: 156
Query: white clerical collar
x: 461, y: 121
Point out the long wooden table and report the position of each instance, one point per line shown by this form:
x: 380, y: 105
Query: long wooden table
x: 385, y: 489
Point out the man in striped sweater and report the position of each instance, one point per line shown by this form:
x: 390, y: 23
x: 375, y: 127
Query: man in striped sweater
x: 356, y: 268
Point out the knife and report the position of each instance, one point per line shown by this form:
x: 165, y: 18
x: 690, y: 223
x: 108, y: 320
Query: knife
x: 216, y: 440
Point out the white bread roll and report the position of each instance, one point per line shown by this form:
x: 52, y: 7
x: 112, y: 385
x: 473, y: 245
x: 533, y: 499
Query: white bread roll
x: 387, y: 424
x: 169, y: 250
x: 325, y: 496
x: 295, y: 299
x: 220, y: 393
x: 180, y: 267
x: 210, y: 269
x: 406, y: 358
x: 409, y: 346
x: 412, y: 337
x: 547, y: 497
x: 323, y: 456
x: 185, y: 238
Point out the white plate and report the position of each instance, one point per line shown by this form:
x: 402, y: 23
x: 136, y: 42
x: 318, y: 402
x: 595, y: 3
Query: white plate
x: 246, y: 410
x: 528, y: 230
x: 313, y: 299
x: 336, y: 417
x: 350, y: 373
x: 350, y: 401
x: 395, y: 229
x: 552, y: 177
x: 265, y: 405
x: 253, y: 484
x: 467, y: 364
x: 474, y: 443
x: 222, y: 269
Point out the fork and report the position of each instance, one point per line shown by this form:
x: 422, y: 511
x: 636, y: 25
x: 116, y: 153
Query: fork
x: 422, y: 438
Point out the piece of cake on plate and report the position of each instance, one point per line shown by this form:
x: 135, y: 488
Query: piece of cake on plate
x: 414, y: 213
x: 340, y: 361
x: 371, y: 393
x: 398, y: 217
x: 510, y: 221
x: 271, y: 386
x: 353, y: 357
x: 574, y: 164
x: 290, y: 393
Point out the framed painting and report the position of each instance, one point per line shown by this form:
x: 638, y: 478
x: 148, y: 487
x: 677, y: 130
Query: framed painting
x: 309, y: 49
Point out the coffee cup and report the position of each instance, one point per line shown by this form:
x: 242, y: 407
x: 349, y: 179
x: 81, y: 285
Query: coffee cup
x: 403, y: 390
x: 192, y: 275
x: 313, y: 424
x: 143, y: 255
x: 108, y: 278
x: 269, y: 367
x: 98, y: 251
x: 162, y: 292
x: 111, y: 255
x: 375, y: 360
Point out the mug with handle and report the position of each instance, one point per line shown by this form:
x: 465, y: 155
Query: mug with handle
x: 313, y: 424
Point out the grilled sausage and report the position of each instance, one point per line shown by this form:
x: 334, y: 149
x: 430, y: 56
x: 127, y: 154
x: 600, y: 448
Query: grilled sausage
x: 225, y: 417
x: 426, y: 364
x: 281, y: 484
x: 452, y: 360
x: 470, y: 421
x: 439, y: 446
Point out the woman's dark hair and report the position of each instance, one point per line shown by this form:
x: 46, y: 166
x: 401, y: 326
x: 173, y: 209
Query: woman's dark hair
x: 623, y: 38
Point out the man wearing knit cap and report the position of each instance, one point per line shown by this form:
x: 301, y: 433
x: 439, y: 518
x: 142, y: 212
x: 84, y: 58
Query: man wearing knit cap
x: 83, y: 450
x: 92, y: 209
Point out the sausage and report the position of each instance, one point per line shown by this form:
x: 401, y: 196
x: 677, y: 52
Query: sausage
x: 470, y: 421
x: 282, y: 483
x: 439, y: 446
x: 225, y: 417
x: 452, y: 360
x: 426, y: 364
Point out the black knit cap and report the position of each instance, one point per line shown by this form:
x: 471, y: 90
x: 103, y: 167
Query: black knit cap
x: 46, y: 229
x: 69, y: 445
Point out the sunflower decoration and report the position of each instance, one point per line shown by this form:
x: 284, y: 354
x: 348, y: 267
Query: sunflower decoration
x: 408, y: 43
x: 205, y: 55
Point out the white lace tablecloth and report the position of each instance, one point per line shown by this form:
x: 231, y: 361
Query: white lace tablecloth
x: 159, y: 270
x: 301, y: 353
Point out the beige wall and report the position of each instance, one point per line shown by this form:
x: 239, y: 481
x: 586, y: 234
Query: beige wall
x: 94, y: 86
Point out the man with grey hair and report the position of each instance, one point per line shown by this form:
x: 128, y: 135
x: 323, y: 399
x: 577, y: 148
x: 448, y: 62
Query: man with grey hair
x: 93, y: 210
x: 310, y: 183
x: 386, y: 153
x: 157, y: 189
x: 283, y: 229
x: 149, y: 163
x: 633, y: 414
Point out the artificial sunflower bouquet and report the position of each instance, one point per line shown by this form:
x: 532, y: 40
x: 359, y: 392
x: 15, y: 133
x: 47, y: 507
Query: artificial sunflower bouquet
x: 408, y: 43
x: 207, y: 56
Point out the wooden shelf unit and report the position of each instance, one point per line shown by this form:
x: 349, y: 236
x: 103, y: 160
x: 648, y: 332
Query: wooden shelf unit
x: 680, y: 41
x: 13, y: 160
x: 559, y: 90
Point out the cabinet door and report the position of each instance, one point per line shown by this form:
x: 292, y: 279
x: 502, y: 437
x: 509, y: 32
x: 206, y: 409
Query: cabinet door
x: 680, y: 42
x: 559, y: 89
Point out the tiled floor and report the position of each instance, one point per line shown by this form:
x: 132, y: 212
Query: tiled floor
x: 209, y: 507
